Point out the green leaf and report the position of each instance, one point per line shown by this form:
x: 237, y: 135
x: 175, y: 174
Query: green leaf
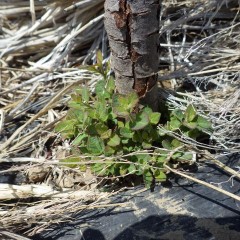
x: 161, y: 132
x: 160, y: 176
x: 92, y: 113
x: 118, y: 108
x: 178, y: 114
x: 161, y: 151
x: 137, y: 138
x: 154, y: 117
x: 203, y: 123
x: 85, y: 94
x: 107, y: 134
x: 123, y: 104
x: 148, y: 178
x: 174, y: 124
x: 75, y: 105
x: 166, y: 144
x: 112, y: 116
x: 101, y: 91
x: 91, y: 130
x: 145, y: 135
x: 79, y: 139
x: 186, y: 157
x: 147, y: 110
x: 86, y: 119
x: 125, y: 141
x: 76, y: 98
x: 114, y: 169
x: 127, y: 148
x: 108, y: 67
x: 190, y: 125
x: 167, y: 126
x: 110, y: 87
x: 101, y: 110
x: 153, y: 134
x: 123, y: 169
x: 74, y: 114
x: 120, y: 124
x: 146, y: 145
x: 109, y: 151
x: 95, y: 145
x: 93, y: 68
x: 66, y: 128
x: 194, y: 133
x: 132, y: 168
x: 176, y: 143
x: 101, y: 128
x: 114, y: 141
x: 127, y: 125
x: 125, y: 132
x: 141, y: 121
x: 161, y: 159
x: 143, y: 159
x: 177, y: 155
x: 99, y: 169
x: 132, y: 100
x: 190, y: 113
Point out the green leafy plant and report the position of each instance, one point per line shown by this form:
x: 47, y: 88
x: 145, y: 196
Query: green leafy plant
x: 188, y: 123
x: 105, y: 123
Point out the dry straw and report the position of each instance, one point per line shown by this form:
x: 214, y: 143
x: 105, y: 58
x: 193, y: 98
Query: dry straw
x: 42, y: 47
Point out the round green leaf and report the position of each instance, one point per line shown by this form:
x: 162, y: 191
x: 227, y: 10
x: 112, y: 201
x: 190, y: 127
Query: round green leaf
x: 176, y: 143
x: 131, y: 168
x: 109, y: 151
x: 99, y: 169
x: 66, y: 128
x: 178, y: 114
x: 174, y: 124
x: 95, y: 145
x: 141, y: 121
x: 107, y: 134
x: 114, y: 141
x: 203, y: 123
x: 146, y: 145
x: 160, y: 176
x: 166, y: 144
x: 186, y: 157
x: 154, y: 117
x: 123, y: 104
x: 119, y: 105
x: 125, y: 132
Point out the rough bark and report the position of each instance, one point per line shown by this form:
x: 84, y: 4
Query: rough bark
x: 132, y: 27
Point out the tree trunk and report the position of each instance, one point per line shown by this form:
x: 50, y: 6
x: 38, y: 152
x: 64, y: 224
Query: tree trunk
x: 133, y: 31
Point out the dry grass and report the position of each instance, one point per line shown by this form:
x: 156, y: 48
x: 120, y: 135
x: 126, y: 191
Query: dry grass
x: 43, y: 45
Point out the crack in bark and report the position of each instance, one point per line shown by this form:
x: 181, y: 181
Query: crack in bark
x: 132, y: 31
x: 133, y: 54
x: 123, y: 18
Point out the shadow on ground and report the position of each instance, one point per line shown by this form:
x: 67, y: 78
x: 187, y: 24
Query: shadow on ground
x: 160, y: 227
x: 183, y: 210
